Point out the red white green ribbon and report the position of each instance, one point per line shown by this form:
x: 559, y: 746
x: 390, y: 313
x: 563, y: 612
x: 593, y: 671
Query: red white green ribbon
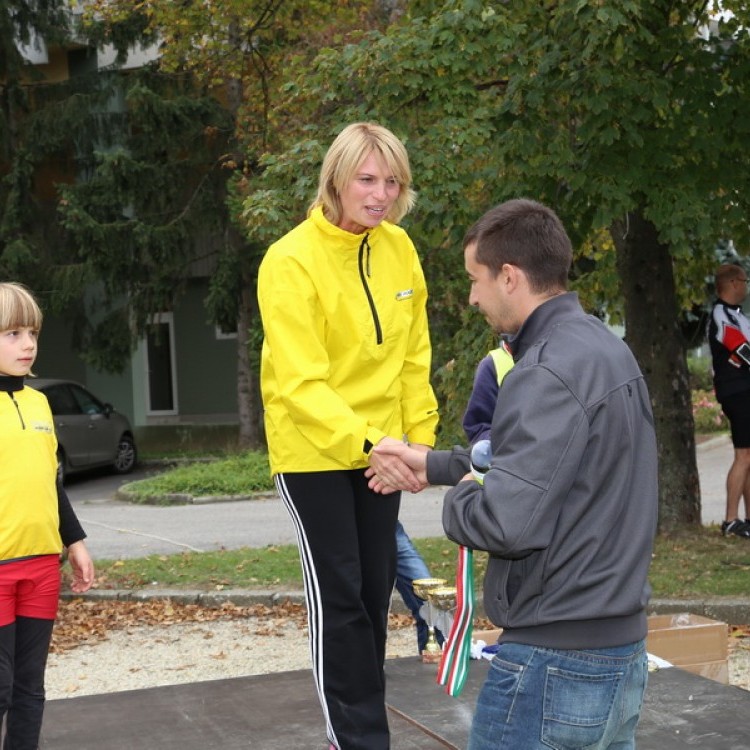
x: 454, y: 663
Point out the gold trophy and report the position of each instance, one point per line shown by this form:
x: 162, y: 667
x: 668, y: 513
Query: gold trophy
x: 444, y: 600
x: 422, y: 588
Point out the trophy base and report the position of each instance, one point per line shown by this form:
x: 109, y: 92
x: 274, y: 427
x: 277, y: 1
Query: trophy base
x: 431, y: 657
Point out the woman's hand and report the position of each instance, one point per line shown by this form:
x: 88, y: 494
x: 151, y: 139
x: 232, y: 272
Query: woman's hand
x: 397, y: 466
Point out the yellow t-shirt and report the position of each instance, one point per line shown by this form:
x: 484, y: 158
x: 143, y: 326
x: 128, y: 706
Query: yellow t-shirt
x: 29, y: 521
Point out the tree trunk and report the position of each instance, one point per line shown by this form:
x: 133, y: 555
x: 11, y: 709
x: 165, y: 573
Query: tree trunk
x: 653, y: 333
x: 251, y: 436
x: 249, y: 404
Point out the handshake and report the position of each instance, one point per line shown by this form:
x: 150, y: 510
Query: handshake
x: 395, y: 465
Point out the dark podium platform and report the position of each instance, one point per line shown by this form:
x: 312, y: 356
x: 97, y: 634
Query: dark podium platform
x: 281, y: 711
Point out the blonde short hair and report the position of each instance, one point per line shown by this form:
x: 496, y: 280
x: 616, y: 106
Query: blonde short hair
x: 18, y: 308
x: 347, y: 152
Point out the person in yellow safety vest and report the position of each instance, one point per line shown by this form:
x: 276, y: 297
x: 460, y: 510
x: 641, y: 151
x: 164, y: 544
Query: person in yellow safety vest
x: 487, y: 381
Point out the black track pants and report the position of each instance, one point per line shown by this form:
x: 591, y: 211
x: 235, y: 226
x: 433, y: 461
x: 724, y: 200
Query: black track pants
x: 24, y: 645
x: 347, y: 541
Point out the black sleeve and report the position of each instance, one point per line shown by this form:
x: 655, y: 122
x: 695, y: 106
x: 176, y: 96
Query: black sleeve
x: 70, y: 529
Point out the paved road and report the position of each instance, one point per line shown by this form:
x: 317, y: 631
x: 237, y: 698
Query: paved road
x: 119, y: 529
x: 122, y: 530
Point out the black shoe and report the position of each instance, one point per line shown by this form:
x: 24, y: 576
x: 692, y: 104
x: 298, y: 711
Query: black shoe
x: 736, y: 527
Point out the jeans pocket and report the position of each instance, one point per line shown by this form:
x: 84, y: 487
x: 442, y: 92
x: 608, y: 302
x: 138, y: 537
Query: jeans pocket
x: 500, y: 689
x: 577, y: 707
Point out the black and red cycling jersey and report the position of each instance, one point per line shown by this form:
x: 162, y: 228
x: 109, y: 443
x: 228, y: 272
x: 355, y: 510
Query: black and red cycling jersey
x: 729, y: 339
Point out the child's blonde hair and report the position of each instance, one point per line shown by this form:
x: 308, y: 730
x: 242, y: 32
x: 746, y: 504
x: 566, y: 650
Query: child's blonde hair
x: 18, y: 308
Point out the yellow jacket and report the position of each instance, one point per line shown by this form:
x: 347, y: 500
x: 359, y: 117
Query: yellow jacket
x: 29, y: 520
x: 346, y: 354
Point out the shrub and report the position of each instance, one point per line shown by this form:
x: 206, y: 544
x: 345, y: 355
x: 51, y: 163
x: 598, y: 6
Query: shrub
x: 707, y: 413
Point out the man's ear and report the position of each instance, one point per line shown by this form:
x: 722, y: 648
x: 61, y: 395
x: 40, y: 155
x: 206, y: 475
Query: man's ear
x: 510, y: 277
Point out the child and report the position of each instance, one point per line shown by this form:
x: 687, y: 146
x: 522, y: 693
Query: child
x: 37, y: 520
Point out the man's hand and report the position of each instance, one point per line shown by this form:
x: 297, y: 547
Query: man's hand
x: 82, y: 566
x: 397, y: 466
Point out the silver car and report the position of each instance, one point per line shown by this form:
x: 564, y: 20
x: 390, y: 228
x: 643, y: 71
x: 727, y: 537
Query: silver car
x: 90, y: 433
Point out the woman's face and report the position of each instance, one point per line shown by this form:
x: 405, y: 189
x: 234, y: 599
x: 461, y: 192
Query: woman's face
x: 368, y: 197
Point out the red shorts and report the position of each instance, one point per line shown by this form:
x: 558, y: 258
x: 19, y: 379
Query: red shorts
x: 29, y: 588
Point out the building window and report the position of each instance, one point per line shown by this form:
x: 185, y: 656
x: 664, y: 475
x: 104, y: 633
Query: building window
x: 223, y: 333
x: 160, y: 366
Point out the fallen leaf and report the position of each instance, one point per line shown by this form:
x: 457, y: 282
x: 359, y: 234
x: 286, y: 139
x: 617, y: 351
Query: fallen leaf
x: 87, y: 621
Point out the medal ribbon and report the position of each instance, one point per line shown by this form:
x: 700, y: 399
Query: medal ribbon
x: 454, y: 663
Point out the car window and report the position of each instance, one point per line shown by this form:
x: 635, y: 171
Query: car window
x: 61, y: 400
x: 87, y: 402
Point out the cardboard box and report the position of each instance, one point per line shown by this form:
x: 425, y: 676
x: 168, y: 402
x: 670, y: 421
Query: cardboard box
x: 488, y: 636
x: 691, y: 642
x: 718, y: 671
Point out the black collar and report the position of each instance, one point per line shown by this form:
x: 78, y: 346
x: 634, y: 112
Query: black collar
x: 721, y: 301
x: 11, y: 383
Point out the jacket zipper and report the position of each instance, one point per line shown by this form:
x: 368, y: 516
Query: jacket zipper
x: 362, y: 263
x: 18, y: 409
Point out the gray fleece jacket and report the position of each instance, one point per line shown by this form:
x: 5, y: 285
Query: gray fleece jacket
x: 568, y: 508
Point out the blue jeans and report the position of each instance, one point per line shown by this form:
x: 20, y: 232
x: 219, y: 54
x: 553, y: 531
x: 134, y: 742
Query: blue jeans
x: 409, y: 567
x: 537, y: 698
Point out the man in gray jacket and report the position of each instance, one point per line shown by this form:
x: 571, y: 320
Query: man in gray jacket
x: 568, y: 508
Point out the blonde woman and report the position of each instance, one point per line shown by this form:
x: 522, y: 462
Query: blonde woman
x: 345, y: 366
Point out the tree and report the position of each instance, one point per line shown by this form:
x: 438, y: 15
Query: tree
x: 236, y: 50
x: 106, y: 178
x: 629, y: 117
x: 23, y: 24
x: 151, y: 203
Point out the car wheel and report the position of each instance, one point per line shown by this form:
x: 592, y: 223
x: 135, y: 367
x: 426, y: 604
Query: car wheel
x: 126, y: 455
x: 61, y: 473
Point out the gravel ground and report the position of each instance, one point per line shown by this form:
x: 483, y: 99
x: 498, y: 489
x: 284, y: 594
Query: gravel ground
x: 149, y: 656
x: 168, y: 655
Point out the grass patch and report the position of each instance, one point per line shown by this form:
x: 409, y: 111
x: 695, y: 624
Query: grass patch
x: 235, y: 475
x: 265, y: 567
x: 693, y: 563
x: 249, y: 568
x: 698, y: 563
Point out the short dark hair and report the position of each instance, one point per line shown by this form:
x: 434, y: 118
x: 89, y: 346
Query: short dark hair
x: 525, y: 234
x: 726, y: 273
